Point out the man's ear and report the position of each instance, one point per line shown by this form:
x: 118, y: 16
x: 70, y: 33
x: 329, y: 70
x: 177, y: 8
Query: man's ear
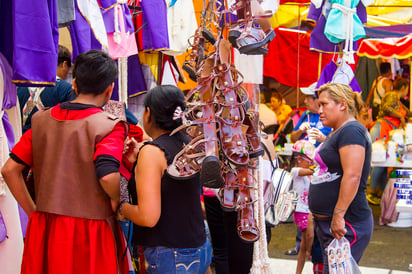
x: 109, y: 90
x: 75, y: 86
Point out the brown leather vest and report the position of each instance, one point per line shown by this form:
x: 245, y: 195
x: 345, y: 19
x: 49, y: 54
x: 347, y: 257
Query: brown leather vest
x: 64, y: 172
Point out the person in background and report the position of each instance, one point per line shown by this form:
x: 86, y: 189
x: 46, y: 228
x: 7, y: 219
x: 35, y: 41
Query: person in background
x: 301, y: 160
x: 32, y: 99
x: 75, y: 149
x: 310, y: 119
x: 166, y: 211
x: 337, y: 196
x: 380, y: 86
x: 392, y: 115
x: 281, y: 109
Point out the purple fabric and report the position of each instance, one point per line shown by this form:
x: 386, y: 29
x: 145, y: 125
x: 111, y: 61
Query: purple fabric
x: 318, y: 40
x: 108, y: 18
x: 155, y: 34
x: 6, y: 33
x: 82, y: 35
x: 135, y: 79
x: 36, y: 41
x: 24, y: 220
x: 9, y: 98
x: 327, y: 75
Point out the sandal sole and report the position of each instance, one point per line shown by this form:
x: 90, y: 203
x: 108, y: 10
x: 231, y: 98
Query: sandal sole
x: 210, y: 174
x: 252, y: 47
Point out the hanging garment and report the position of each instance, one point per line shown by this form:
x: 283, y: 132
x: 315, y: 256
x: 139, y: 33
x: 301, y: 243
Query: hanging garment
x: 135, y: 79
x: 35, y: 43
x: 6, y: 34
x: 343, y: 24
x: 334, y: 73
x: 137, y: 18
x: 11, y: 249
x: 155, y: 33
x: 120, y: 30
x: 251, y: 66
x: 318, y: 40
x: 65, y: 12
x: 85, y: 35
x: 181, y: 25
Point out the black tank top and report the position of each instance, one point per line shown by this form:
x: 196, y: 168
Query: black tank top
x: 181, y: 220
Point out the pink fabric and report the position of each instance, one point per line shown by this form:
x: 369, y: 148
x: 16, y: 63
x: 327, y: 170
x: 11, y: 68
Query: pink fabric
x: 127, y: 43
x: 388, y: 204
x: 301, y: 220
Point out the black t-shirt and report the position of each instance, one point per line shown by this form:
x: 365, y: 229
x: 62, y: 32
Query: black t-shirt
x: 325, y: 182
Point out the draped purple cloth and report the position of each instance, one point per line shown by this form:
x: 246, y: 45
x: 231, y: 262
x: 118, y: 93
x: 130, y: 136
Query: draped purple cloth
x: 36, y: 41
x: 327, y: 74
x: 318, y: 40
x: 108, y: 16
x: 6, y: 33
x: 9, y: 98
x: 82, y: 35
x: 135, y: 79
x: 155, y: 34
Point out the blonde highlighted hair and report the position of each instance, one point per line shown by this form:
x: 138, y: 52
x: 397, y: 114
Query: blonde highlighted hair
x: 340, y: 92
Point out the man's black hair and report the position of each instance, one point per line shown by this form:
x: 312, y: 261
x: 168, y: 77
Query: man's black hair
x: 385, y: 68
x: 64, y: 55
x: 94, y: 71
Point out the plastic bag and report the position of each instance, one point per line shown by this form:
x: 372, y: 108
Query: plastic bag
x: 340, y: 258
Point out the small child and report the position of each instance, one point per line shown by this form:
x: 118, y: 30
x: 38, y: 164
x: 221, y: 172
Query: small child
x: 301, y: 160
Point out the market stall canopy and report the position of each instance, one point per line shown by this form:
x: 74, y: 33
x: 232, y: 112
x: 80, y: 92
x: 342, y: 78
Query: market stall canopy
x: 400, y: 48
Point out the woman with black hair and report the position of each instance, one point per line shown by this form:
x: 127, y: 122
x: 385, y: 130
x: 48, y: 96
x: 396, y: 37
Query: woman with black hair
x: 167, y: 212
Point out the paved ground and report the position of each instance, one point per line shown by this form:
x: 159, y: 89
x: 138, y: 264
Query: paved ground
x: 389, y: 249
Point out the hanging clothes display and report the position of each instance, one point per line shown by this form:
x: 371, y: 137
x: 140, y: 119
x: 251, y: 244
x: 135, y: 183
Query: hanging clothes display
x: 65, y: 12
x: 318, y: 40
x: 11, y: 249
x: 338, y: 73
x: 87, y: 31
x: 35, y: 43
x: 119, y: 28
x: 6, y: 34
x: 155, y: 33
x: 135, y: 79
x: 181, y: 25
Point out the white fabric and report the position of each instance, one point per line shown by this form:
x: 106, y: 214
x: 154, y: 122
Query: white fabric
x: 170, y: 75
x: 271, y: 5
x: 343, y: 74
x: 367, y: 2
x: 250, y: 66
x: 91, y: 12
x: 317, y: 3
x: 181, y: 25
x: 301, y: 186
x: 11, y: 250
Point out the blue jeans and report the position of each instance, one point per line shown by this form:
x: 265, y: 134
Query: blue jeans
x: 378, y: 174
x: 178, y: 260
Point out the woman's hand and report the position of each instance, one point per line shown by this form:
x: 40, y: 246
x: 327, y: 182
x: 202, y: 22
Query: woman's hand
x: 130, y: 150
x: 316, y: 134
x: 338, y: 224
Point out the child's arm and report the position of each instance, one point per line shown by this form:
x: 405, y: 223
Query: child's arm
x: 305, y: 172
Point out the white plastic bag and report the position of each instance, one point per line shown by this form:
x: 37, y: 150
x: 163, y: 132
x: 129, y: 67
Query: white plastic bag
x: 340, y: 258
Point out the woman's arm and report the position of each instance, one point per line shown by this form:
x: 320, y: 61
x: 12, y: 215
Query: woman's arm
x: 12, y: 174
x: 149, y: 170
x: 352, y: 159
